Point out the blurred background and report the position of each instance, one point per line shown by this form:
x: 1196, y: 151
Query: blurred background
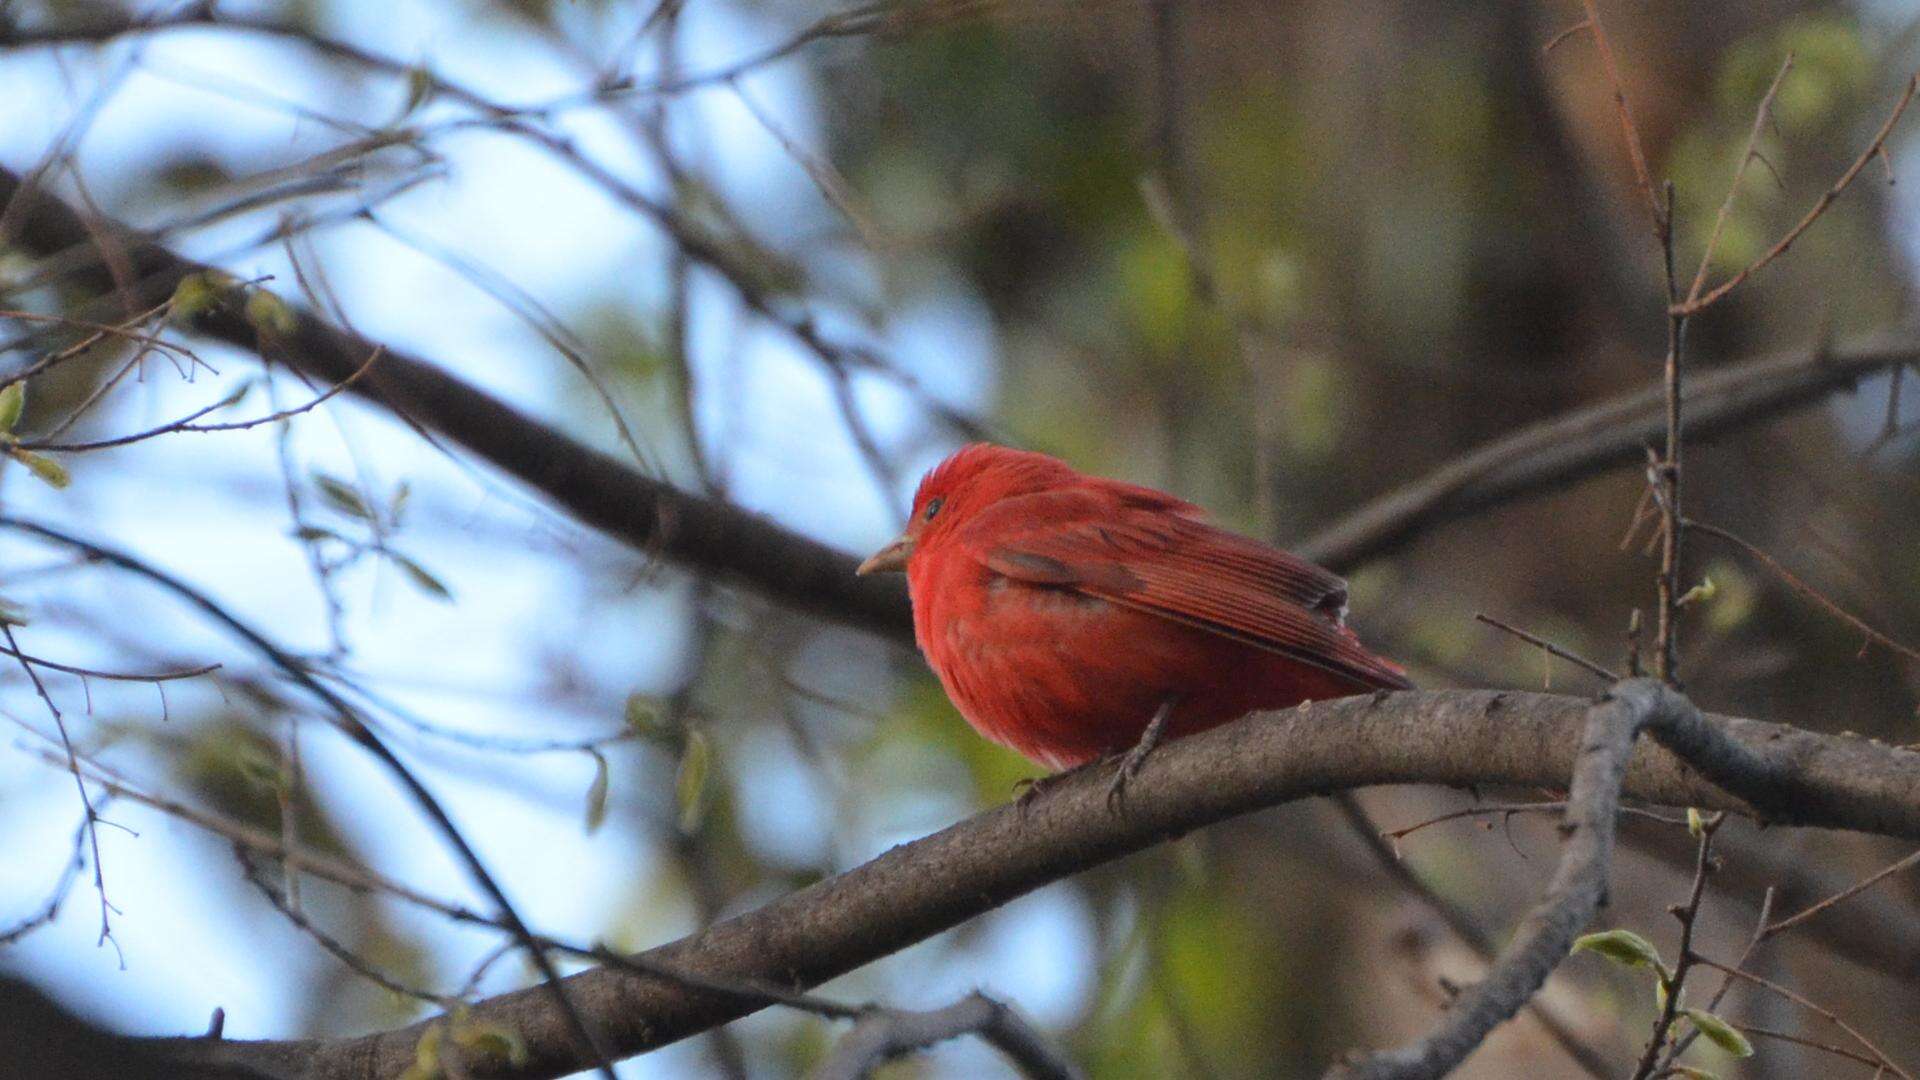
x: 1276, y: 258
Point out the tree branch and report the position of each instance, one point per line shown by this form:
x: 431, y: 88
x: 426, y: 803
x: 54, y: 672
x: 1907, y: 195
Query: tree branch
x: 1558, y: 452
x: 1458, y: 738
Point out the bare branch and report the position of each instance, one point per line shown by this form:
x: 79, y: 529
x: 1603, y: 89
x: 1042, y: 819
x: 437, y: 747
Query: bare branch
x: 1791, y: 921
x: 189, y: 422
x: 1550, y: 648
x: 1466, y: 929
x: 737, y: 546
x: 1881, y: 1059
x: 1801, y: 587
x: 1636, y: 148
x: 1557, y: 452
x: 1747, y: 157
x: 92, y: 813
x: 112, y: 676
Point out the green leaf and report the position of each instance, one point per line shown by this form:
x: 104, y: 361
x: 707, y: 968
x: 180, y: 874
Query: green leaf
x: 426, y: 582
x: 1720, y: 1033
x: 690, y: 782
x: 597, y: 792
x: 315, y: 533
x: 47, y: 469
x: 1621, y: 947
x: 341, y: 496
x: 1700, y: 593
x: 13, y: 401
x: 1696, y: 822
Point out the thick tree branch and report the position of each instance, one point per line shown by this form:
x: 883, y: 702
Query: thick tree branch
x: 1458, y: 738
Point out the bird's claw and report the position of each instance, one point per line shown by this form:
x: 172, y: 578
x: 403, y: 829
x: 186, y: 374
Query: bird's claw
x: 1137, y: 756
x: 1122, y: 776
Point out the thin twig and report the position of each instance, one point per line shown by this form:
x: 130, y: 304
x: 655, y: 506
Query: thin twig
x: 1668, y: 493
x: 359, y: 965
x: 1380, y: 845
x: 364, y: 879
x: 1802, y: 587
x: 1883, y: 1061
x: 1856, y: 888
x: 112, y: 676
x: 1681, y: 1044
x: 186, y: 423
x: 69, y: 873
x: 1572, y: 897
x: 86, y: 800
x: 1636, y: 150
x: 1541, y: 643
x: 1752, y: 151
x: 1879, y: 1067
x: 1510, y: 809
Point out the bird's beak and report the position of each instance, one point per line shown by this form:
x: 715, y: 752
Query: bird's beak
x: 889, y: 559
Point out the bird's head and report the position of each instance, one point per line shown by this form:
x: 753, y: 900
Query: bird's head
x: 971, y: 479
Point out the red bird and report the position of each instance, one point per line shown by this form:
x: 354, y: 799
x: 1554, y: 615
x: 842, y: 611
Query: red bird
x: 1072, y: 617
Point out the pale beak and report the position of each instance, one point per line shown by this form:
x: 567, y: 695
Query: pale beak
x: 889, y: 559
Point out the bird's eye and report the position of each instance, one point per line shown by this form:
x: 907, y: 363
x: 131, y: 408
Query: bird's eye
x: 933, y: 507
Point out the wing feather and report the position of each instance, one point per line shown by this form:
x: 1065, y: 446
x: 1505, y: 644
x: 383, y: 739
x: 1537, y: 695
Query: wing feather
x: 1161, y: 558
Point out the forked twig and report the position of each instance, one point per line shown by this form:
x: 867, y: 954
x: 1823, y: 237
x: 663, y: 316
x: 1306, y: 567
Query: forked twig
x: 1877, y: 148
x: 1760, y: 117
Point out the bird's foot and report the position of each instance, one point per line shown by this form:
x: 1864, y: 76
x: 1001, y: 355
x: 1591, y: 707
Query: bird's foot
x: 1135, y: 758
x: 1122, y: 776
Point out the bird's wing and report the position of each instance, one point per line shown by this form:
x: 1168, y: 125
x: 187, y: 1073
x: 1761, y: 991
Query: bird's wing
x: 1148, y: 551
